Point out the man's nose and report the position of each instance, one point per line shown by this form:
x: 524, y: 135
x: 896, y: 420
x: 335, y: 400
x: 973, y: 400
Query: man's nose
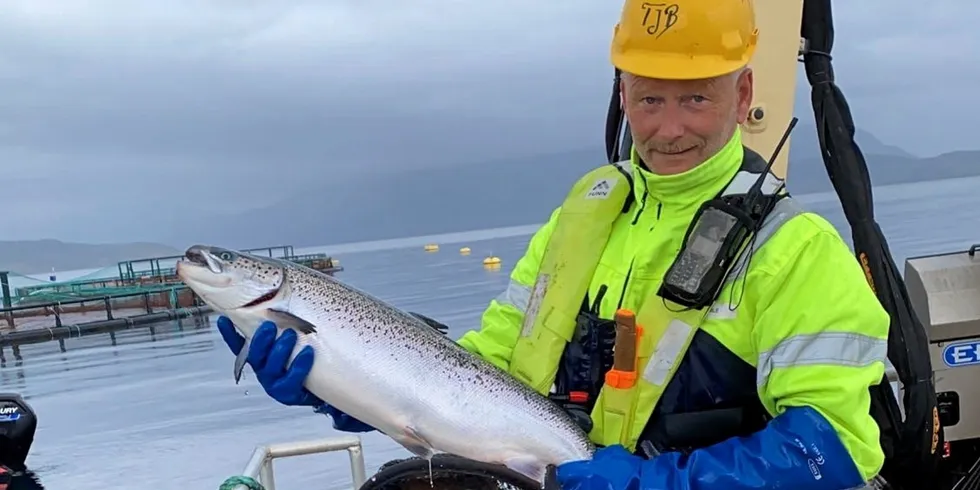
x: 672, y: 124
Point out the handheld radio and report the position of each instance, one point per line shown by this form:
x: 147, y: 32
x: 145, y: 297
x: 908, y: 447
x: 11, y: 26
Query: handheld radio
x: 717, y: 234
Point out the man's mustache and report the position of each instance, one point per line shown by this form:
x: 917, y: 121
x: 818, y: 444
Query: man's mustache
x: 673, y: 148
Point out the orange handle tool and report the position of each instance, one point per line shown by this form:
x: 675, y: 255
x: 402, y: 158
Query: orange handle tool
x: 623, y: 372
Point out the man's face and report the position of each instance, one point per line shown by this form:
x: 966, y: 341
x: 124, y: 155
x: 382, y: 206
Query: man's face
x: 678, y: 124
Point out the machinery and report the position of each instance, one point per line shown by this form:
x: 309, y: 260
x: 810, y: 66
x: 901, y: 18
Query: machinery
x: 944, y: 290
x: 18, y: 423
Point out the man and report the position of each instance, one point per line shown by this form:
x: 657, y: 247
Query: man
x: 765, y: 384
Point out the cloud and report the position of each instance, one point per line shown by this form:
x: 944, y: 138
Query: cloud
x: 241, y: 102
x: 908, y: 70
x: 229, y: 80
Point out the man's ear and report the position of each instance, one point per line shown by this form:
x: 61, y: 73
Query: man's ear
x: 622, y: 89
x: 745, y: 88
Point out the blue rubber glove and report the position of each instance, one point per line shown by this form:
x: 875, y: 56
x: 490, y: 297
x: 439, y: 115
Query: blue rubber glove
x: 268, y: 357
x: 799, y: 449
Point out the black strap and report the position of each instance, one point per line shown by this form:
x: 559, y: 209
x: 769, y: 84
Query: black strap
x: 628, y: 203
x: 454, y: 471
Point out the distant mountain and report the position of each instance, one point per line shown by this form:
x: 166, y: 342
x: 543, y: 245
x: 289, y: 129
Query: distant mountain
x: 501, y: 193
x: 808, y: 175
x: 401, y: 204
x: 805, y: 144
x: 888, y: 164
x: 38, y: 256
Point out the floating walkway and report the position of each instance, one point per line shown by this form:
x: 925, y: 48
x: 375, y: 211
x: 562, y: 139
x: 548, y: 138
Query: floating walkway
x: 141, y: 275
x: 33, y: 324
x: 146, y: 292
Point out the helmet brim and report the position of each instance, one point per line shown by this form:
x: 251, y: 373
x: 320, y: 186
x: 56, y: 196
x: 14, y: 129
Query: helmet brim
x: 672, y: 66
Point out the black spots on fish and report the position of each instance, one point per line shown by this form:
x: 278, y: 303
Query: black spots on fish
x: 397, y: 336
x: 267, y: 272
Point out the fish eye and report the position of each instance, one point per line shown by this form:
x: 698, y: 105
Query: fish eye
x: 226, y: 256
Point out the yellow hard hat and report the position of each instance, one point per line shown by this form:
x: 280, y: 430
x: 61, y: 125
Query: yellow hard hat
x: 684, y: 39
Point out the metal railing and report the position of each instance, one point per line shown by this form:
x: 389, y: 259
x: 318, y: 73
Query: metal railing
x: 259, y: 466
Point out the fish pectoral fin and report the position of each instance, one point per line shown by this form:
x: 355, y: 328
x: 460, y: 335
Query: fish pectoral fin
x: 416, y: 449
x: 528, y: 466
x: 285, y: 319
x: 414, y: 443
x: 240, y: 360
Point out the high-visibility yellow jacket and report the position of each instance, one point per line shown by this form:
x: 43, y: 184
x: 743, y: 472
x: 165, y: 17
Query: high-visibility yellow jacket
x: 802, y: 332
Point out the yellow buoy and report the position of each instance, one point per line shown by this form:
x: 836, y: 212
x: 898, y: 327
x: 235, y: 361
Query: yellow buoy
x: 432, y: 247
x: 491, y: 260
x: 464, y: 251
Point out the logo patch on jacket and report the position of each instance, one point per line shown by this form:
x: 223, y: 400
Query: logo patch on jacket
x: 601, y: 189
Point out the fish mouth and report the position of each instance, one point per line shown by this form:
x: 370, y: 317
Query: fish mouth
x: 195, y: 256
x: 200, y: 266
x: 201, y: 256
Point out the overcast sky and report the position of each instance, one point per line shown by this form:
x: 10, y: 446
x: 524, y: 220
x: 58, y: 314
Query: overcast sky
x: 238, y: 102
